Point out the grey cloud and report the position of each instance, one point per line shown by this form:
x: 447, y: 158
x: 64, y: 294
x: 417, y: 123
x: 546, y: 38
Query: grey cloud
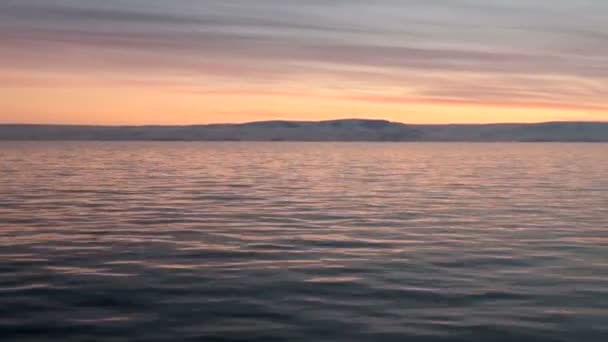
x: 260, y: 40
x: 224, y: 46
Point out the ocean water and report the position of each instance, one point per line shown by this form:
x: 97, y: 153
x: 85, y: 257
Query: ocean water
x: 303, y: 242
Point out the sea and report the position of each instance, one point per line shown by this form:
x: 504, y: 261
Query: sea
x: 289, y: 241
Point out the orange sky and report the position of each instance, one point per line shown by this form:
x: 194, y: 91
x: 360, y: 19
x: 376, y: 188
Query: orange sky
x: 188, y: 63
x: 128, y: 105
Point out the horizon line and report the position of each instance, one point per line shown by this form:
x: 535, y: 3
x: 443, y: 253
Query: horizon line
x: 305, y: 121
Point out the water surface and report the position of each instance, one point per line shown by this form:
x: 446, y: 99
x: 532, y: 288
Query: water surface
x: 303, y: 242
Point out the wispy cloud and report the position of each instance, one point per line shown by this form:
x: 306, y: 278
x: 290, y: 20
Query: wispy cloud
x: 510, y: 52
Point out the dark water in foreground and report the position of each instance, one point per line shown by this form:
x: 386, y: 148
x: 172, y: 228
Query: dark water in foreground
x: 303, y: 242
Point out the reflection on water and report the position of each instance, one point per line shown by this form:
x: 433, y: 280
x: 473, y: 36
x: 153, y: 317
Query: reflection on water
x: 303, y: 242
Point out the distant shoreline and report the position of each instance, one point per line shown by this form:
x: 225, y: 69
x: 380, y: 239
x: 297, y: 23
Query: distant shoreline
x: 345, y: 130
x: 261, y: 122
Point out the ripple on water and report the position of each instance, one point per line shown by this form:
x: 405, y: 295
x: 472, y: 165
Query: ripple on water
x: 303, y: 242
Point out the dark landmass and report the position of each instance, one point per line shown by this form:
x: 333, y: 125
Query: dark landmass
x: 334, y: 130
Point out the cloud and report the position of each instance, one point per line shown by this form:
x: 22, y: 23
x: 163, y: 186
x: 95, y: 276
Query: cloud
x: 386, y: 44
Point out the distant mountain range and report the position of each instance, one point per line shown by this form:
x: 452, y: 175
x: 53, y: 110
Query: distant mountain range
x: 334, y: 130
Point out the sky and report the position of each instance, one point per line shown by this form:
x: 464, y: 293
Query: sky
x: 133, y: 62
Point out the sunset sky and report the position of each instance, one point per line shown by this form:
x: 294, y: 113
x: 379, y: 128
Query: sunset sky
x: 203, y: 61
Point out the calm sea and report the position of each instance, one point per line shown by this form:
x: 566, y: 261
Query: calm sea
x: 303, y: 242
